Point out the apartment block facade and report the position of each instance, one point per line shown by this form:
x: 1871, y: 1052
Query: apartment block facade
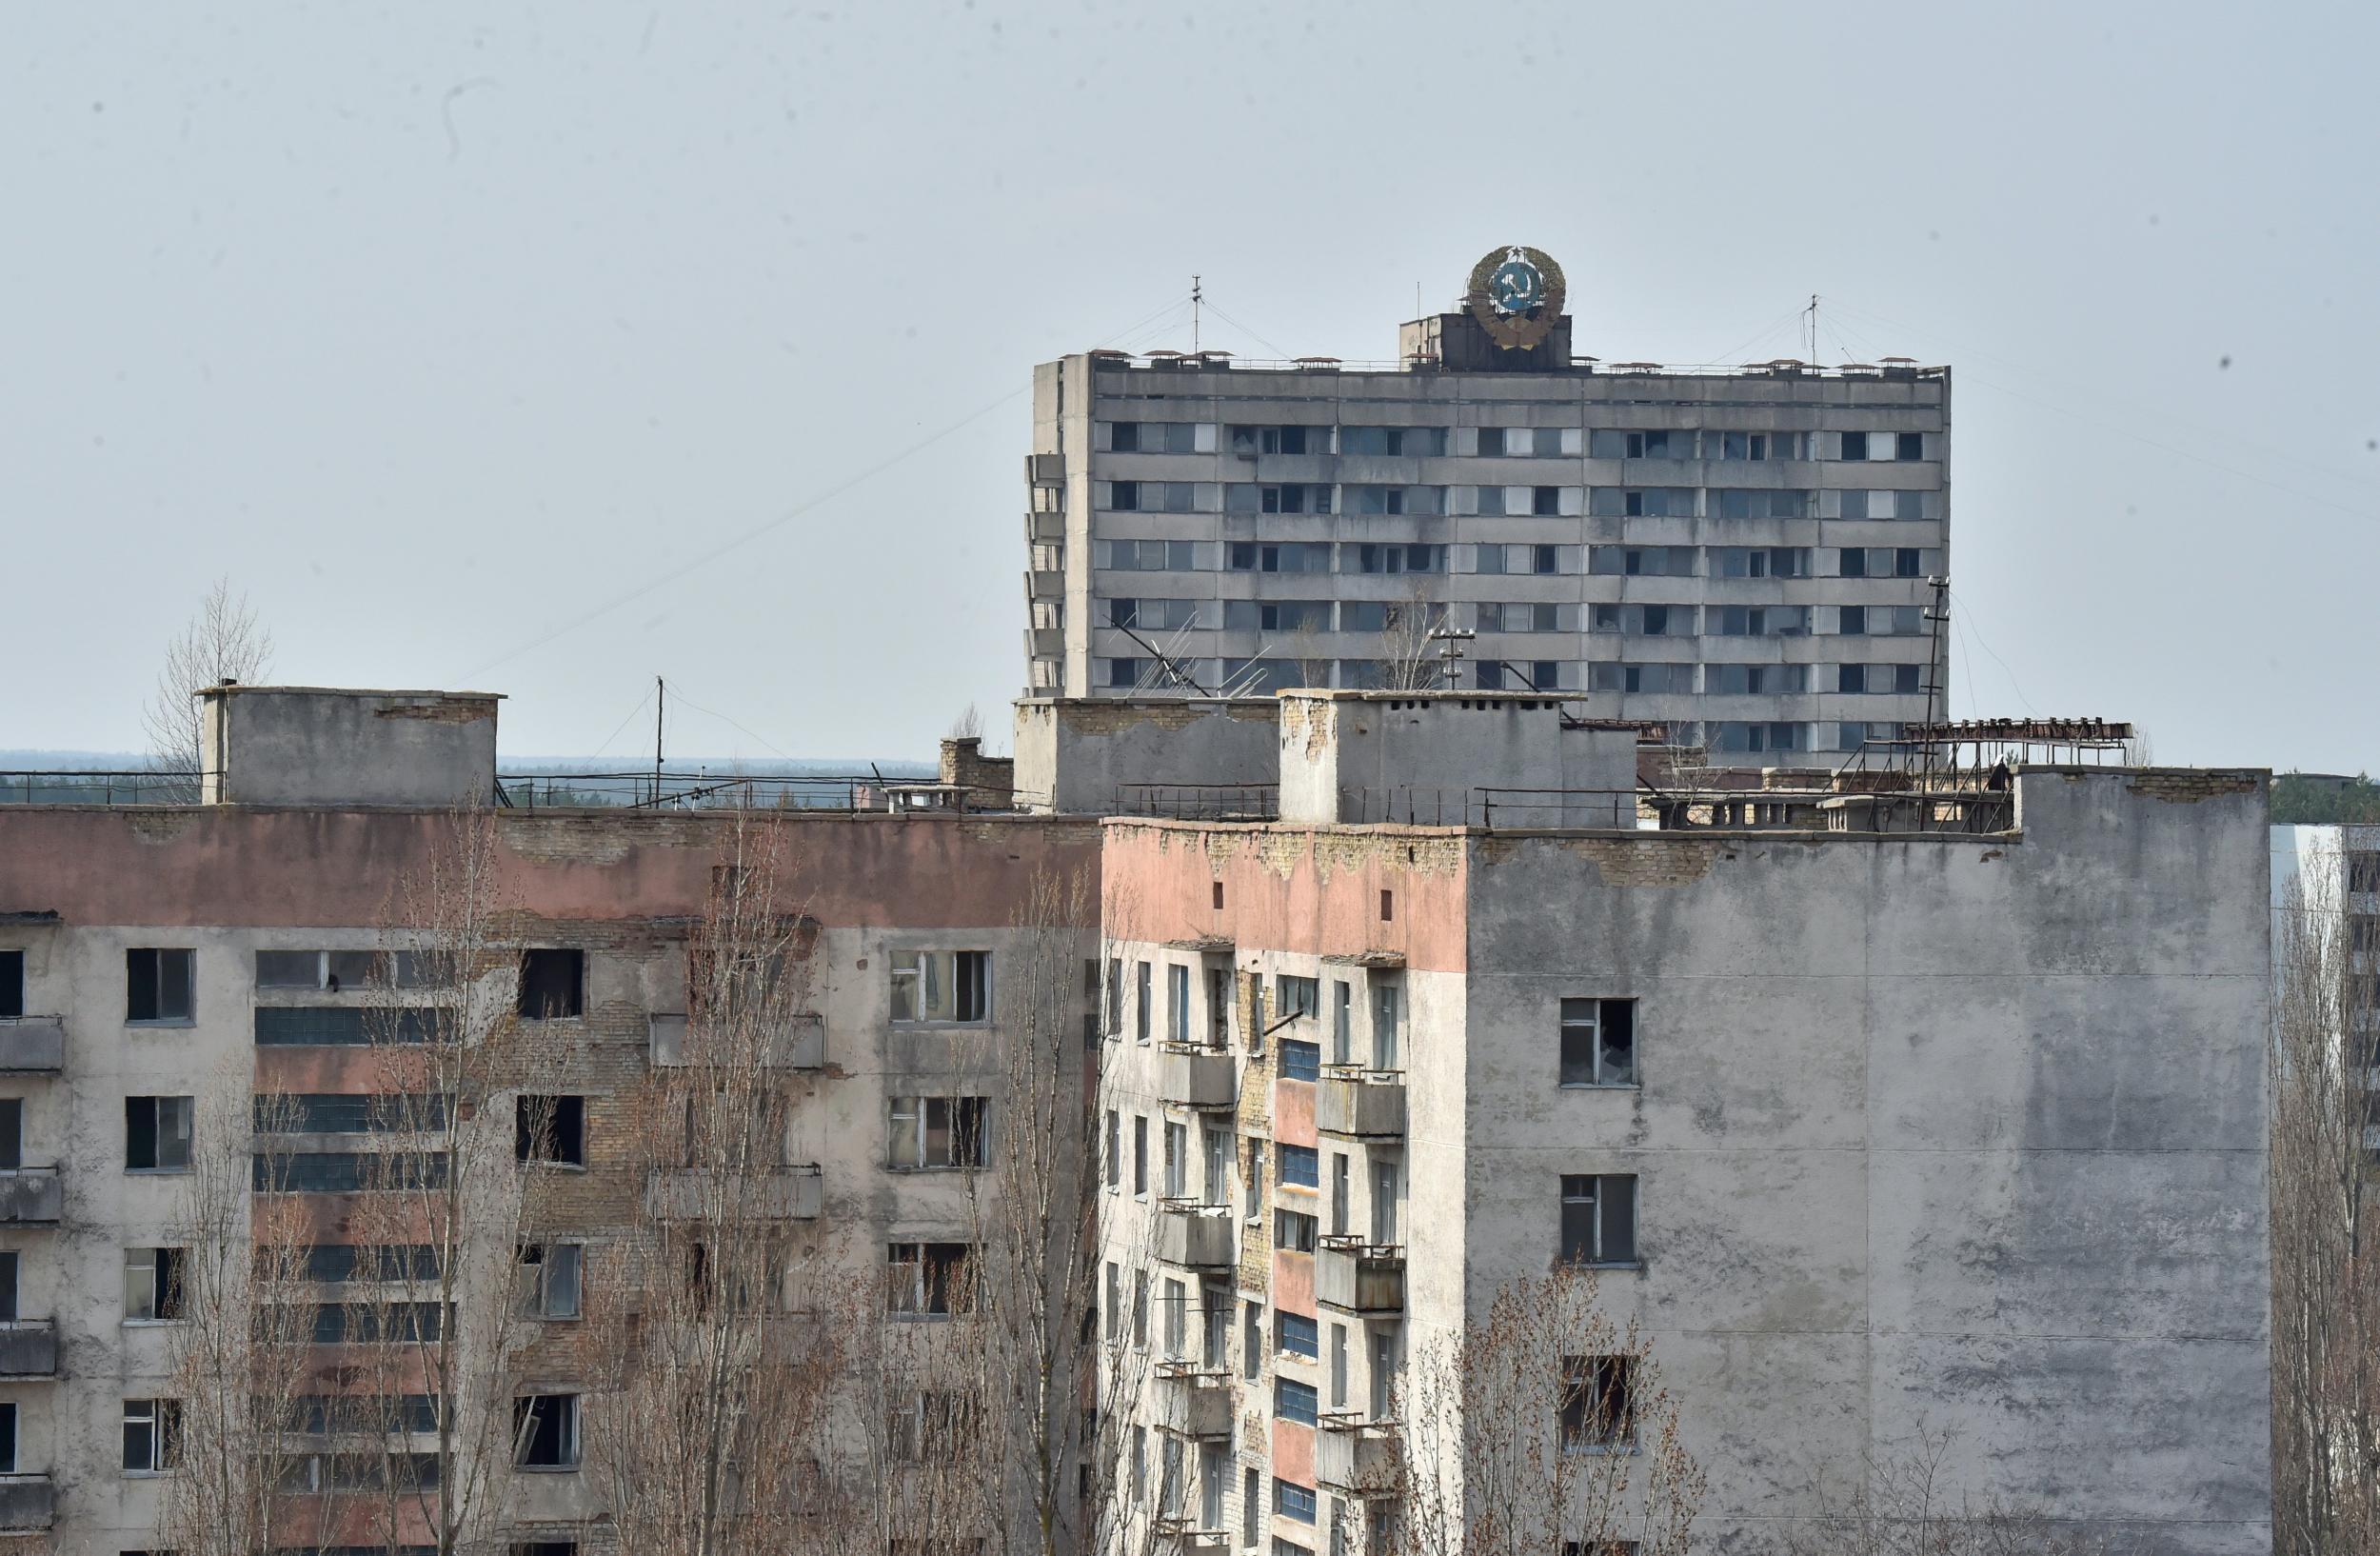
x: 1741, y: 554
x: 159, y: 964
x: 1881, y: 1114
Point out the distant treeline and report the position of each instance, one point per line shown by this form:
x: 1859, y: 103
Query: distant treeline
x: 2302, y: 799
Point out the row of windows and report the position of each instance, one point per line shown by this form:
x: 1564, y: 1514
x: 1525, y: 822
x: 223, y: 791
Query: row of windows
x: 1645, y: 619
x: 1507, y: 442
x: 1464, y: 501
x: 1381, y: 557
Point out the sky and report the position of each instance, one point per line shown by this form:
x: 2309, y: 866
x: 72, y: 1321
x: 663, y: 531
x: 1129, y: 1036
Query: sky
x: 549, y: 349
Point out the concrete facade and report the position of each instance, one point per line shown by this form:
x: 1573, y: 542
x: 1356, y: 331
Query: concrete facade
x: 1080, y: 757
x: 1713, y: 549
x: 82, y: 889
x: 323, y: 745
x: 1962, y: 1129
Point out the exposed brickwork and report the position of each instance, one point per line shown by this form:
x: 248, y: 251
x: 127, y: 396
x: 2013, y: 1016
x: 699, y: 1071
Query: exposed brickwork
x: 1653, y: 860
x: 2187, y: 786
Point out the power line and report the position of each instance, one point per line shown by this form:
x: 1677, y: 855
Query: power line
x: 688, y: 702
x: 624, y: 723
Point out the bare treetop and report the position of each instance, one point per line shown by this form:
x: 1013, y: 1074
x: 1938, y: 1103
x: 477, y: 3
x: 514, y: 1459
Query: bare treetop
x: 224, y: 642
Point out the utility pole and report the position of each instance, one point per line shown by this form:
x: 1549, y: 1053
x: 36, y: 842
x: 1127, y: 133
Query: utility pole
x: 1197, y: 297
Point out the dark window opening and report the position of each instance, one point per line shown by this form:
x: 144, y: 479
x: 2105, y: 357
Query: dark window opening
x: 11, y: 984
x: 1596, y: 1407
x: 156, y: 1134
x: 1854, y: 446
x: 157, y: 985
x: 1599, y: 1219
x: 550, y: 1130
x: 12, y: 1133
x: 552, y: 983
x: 1599, y: 1043
x: 1544, y: 500
x: 1909, y: 446
x: 546, y: 1432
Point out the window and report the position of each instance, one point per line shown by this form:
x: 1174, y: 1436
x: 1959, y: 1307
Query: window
x: 1153, y: 615
x: 942, y: 986
x: 1157, y: 437
x: 1285, y: 556
x: 1597, y: 1409
x: 152, y: 1285
x: 1294, y: 996
x: 1301, y: 1062
x: 7, y: 1439
x: 1115, y: 1150
x: 1151, y: 556
x: 1394, y: 442
x: 1854, y: 446
x: 11, y: 984
x: 1280, y: 440
x: 1141, y: 1309
x: 1388, y: 1009
x: 1343, y: 1021
x: 552, y: 983
x: 549, y: 1129
x: 7, y: 1285
x: 1599, y: 1043
x: 1140, y: 1153
x: 1909, y: 446
x: 1758, y: 504
x: 1219, y: 994
x: 930, y: 1426
x: 939, y: 1132
x: 334, y: 970
x: 1604, y: 676
x: 1293, y: 1501
x: 1641, y: 561
x: 1754, y: 680
x: 156, y: 1134
x: 12, y: 1133
x: 1902, y: 680
x: 1294, y: 1232
x: 334, y: 1262
x: 929, y: 1279
x: 152, y: 1435
x: 1178, y: 1002
x: 1177, y: 1160
x: 350, y: 1113
x: 158, y: 985
x: 549, y: 1279
x: 1256, y: 1179
x: 546, y: 1432
x: 1114, y: 996
x: 1545, y: 501
x: 1300, y: 1167
x: 1298, y: 1335
x: 1398, y: 559
x: 346, y: 1171
x: 1295, y: 1401
x: 1599, y: 1219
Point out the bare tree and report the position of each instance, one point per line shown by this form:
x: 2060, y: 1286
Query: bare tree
x: 224, y: 642
x: 714, y: 1397
x: 1907, y: 1505
x: 2326, y: 1298
x: 1542, y: 1429
x: 244, y: 1354
x: 1408, y: 655
x: 968, y: 724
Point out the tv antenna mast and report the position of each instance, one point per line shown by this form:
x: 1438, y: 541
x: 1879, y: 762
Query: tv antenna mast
x: 1197, y: 297
x: 1450, y: 640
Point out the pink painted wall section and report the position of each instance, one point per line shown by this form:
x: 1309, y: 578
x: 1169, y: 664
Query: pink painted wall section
x: 1291, y: 888
x: 236, y: 866
x: 1293, y: 1113
x: 1293, y: 1282
x: 1293, y: 1454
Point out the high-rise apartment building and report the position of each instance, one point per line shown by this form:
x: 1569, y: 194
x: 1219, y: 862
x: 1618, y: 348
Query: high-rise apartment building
x: 1740, y: 553
x: 1892, y: 1111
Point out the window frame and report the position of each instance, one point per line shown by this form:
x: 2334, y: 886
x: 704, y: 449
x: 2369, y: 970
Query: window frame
x: 156, y: 986
x: 1608, y: 1208
x: 919, y: 988
x: 1597, y: 1078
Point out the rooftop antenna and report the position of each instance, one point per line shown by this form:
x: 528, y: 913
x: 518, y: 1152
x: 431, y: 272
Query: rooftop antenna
x: 1813, y: 311
x: 661, y: 692
x: 1197, y: 297
x: 1450, y: 653
x: 1937, y: 701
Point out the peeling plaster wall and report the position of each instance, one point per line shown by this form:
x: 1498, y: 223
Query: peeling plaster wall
x: 1963, y: 1133
x: 1075, y: 757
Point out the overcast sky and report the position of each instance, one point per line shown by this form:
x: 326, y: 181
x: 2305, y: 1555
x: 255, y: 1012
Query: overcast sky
x: 547, y: 349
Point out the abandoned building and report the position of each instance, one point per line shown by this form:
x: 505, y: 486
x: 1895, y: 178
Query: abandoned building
x: 1742, y: 554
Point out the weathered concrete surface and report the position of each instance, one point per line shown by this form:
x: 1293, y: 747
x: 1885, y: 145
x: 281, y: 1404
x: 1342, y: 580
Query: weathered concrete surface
x: 1372, y: 756
x: 322, y: 746
x: 1077, y: 757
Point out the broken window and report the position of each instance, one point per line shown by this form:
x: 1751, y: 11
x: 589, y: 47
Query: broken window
x: 1759, y: 620
x: 1294, y: 1232
x: 1854, y: 446
x: 1598, y: 1042
x: 546, y: 1432
x: 1599, y: 1219
x: 152, y: 1435
x: 1280, y: 440
x: 550, y: 1128
x: 941, y: 985
x: 1394, y: 442
x: 1909, y: 446
x: 1643, y: 620
x: 1399, y: 559
x: 1755, y: 680
x: 552, y: 983
x: 1603, y: 676
x: 1611, y: 443
x: 152, y: 1283
x: 156, y: 1134
x: 1879, y: 679
x: 11, y: 984
x: 1295, y: 996
x: 1545, y: 501
x: 159, y: 985
x: 1277, y: 615
x: 939, y: 1133
x: 1597, y: 1409
x: 549, y: 1279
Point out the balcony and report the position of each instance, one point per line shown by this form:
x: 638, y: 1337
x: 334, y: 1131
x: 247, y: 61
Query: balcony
x: 1050, y: 527
x: 31, y: 1196
x: 33, y: 1045
x: 791, y: 1193
x: 1196, y: 1236
x: 1182, y: 1537
x: 29, y: 1348
x: 1192, y: 1402
x: 1362, y: 1104
x: 1044, y: 584
x: 800, y: 1043
x: 1357, y: 1277
x: 1045, y: 642
x: 1355, y: 1455
x: 26, y: 1504
x: 1191, y: 1076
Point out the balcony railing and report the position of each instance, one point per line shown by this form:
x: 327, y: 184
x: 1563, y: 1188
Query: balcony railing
x: 1189, y: 1075
x: 1195, y: 1235
x: 31, y: 1196
x: 1355, y: 1454
x: 1362, y: 1104
x: 1359, y: 1276
x: 29, y: 1348
x: 1183, y: 1537
x: 26, y: 1504
x: 800, y: 1043
x: 1193, y: 1401
x: 792, y: 1193
x: 35, y: 1045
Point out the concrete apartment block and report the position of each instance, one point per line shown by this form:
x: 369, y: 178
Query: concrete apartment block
x: 1955, y: 1127
x: 1740, y: 554
x: 90, y: 895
